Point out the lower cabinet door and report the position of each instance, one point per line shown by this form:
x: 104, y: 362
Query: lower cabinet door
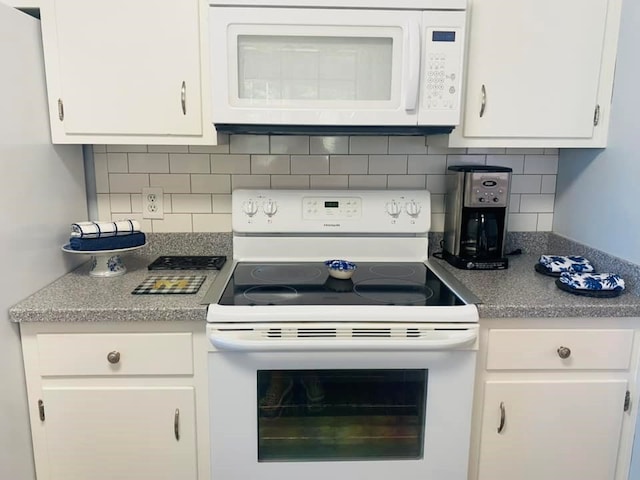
x: 120, y: 433
x: 537, y: 430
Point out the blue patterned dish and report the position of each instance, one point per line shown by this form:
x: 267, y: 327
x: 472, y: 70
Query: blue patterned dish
x: 341, y: 269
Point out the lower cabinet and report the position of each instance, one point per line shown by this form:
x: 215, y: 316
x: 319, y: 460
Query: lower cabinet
x: 106, y: 433
x: 556, y: 401
x: 118, y: 401
x: 536, y: 430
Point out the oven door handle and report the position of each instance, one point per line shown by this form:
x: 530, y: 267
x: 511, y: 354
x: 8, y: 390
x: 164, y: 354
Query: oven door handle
x: 440, y: 340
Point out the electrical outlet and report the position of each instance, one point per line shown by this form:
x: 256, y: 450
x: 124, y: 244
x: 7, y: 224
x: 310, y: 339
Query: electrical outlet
x: 152, y: 202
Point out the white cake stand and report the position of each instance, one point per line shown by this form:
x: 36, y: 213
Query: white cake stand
x: 104, y: 263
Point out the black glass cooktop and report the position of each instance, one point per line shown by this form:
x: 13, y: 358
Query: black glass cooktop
x: 309, y: 283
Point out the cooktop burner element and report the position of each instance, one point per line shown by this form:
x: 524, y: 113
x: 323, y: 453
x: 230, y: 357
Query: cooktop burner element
x: 182, y: 262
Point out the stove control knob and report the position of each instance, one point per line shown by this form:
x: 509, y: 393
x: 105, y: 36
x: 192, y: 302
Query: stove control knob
x: 413, y: 208
x: 250, y: 208
x: 270, y: 208
x: 393, y: 208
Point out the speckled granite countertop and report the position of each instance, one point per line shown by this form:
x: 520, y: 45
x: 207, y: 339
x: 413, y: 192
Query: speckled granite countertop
x: 520, y: 292
x: 517, y: 292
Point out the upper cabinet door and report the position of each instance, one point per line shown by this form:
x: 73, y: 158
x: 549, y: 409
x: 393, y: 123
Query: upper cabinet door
x: 538, y: 69
x: 125, y: 67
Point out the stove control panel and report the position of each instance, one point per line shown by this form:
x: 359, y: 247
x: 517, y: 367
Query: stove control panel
x: 331, y: 211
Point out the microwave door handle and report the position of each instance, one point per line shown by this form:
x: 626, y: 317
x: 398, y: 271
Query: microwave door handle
x: 412, y: 64
x: 437, y: 340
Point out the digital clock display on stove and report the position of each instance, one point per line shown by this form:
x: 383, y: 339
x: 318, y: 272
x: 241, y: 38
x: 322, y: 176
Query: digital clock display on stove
x: 331, y: 204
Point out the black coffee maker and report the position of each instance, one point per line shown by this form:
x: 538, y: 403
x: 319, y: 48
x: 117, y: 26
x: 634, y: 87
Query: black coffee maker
x: 476, y: 214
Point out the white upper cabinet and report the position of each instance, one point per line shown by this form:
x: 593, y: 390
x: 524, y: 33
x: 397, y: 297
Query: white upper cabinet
x: 539, y: 73
x: 126, y: 72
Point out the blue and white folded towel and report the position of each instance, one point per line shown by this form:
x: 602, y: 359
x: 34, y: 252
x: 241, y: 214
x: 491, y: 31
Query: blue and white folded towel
x: 557, y: 264
x: 598, y: 282
x: 104, y: 229
x: 135, y: 239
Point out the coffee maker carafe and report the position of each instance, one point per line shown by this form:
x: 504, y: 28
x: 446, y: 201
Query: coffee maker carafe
x: 476, y: 214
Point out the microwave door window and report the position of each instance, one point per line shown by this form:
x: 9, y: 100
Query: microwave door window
x: 320, y: 415
x: 291, y: 69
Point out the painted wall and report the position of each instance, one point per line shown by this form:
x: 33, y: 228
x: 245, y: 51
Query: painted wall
x: 197, y: 181
x: 597, y: 191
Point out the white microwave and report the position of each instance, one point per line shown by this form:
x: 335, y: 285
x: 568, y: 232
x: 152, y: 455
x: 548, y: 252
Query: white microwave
x: 354, y: 66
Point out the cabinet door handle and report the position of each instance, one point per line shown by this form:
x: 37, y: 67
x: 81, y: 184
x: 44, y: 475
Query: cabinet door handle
x: 60, y: 110
x: 113, y: 357
x: 503, y: 417
x: 483, y: 105
x: 564, y: 352
x: 176, y: 424
x: 183, y: 97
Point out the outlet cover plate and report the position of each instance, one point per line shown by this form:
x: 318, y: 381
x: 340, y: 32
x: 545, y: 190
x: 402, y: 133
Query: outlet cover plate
x: 152, y: 202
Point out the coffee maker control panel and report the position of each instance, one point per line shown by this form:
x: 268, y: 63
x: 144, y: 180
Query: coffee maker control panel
x: 484, y: 189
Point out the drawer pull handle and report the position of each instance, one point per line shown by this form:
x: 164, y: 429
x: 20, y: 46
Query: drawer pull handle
x: 183, y: 98
x: 503, y: 417
x: 484, y: 100
x: 176, y: 424
x: 113, y: 357
x: 564, y: 352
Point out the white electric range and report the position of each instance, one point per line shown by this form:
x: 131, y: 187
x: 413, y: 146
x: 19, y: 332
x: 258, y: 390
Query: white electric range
x: 316, y: 376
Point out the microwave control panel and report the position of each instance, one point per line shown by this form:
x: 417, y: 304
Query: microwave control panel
x: 443, y: 69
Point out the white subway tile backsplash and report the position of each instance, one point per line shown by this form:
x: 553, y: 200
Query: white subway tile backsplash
x: 191, y: 203
x: 238, y: 164
x: 214, y: 222
x: 410, y: 182
x: 168, y: 149
x: 171, y: 182
x: 290, y: 181
x: 537, y: 203
x: 548, y: 184
x: 117, y: 163
x: 367, y: 182
x: 388, y: 164
x: 189, y: 163
x: 250, y: 181
x: 526, y: 183
x: 437, y: 183
x: 348, y: 164
x: 541, y: 164
x: 221, y: 203
x: 426, y: 164
x: 211, y: 183
x: 173, y: 222
x: 128, y: 182
x: 126, y: 148
x: 514, y: 162
x: 337, y: 182
x: 249, y: 144
x: 120, y: 202
x: 270, y: 164
x: 149, y: 163
x: 415, y: 145
x: 289, y: 144
x: 221, y: 148
x: 437, y: 203
x: 466, y: 160
x: 545, y: 222
x: 102, y: 172
x: 373, y: 145
x: 103, y: 204
x: 198, y: 180
x: 309, y: 164
x: 328, y: 145
x: 522, y: 222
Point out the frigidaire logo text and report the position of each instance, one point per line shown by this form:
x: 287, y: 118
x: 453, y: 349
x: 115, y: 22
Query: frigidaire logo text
x: 331, y: 225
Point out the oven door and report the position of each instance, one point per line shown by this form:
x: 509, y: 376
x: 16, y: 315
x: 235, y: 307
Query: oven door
x: 319, y: 406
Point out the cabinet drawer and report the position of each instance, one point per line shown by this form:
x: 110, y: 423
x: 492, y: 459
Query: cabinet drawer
x: 541, y: 349
x: 115, y: 354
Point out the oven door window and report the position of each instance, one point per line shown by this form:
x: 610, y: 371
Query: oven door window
x: 319, y: 415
